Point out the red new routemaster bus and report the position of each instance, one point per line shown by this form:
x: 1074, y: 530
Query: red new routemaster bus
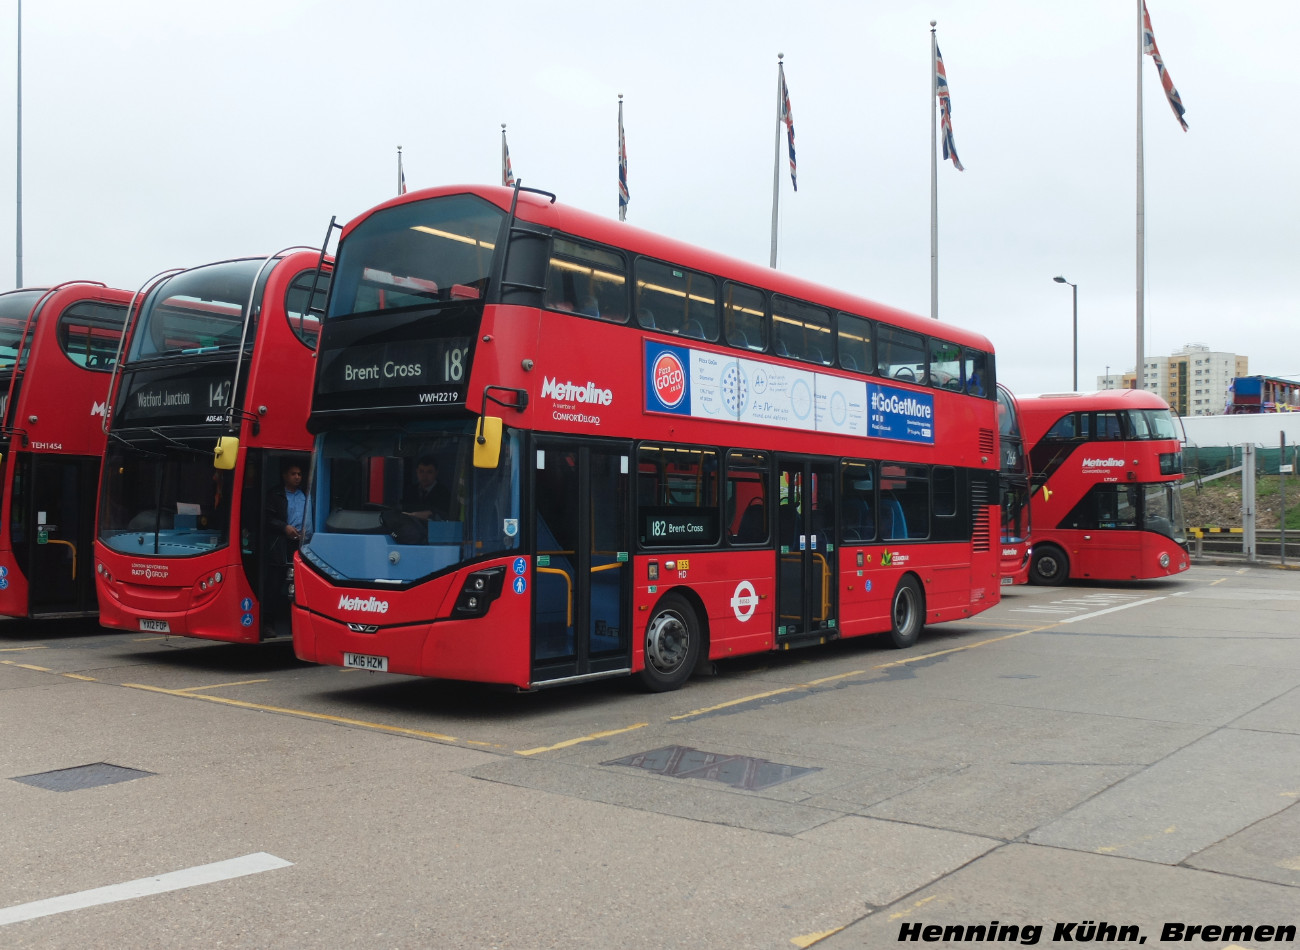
x: 551, y: 447
x: 1013, y: 481
x: 218, y: 357
x: 57, y: 348
x: 1105, y: 471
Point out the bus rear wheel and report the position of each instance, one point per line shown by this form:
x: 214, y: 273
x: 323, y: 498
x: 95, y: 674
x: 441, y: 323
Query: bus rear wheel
x: 1049, y: 566
x: 672, y: 645
x: 907, y: 615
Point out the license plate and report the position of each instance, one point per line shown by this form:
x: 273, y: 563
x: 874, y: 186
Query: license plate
x: 1006, y: 582
x: 364, y: 661
x: 155, y: 626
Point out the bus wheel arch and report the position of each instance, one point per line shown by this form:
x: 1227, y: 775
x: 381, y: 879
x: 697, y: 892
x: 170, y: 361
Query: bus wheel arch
x: 906, y: 611
x: 1049, y: 566
x: 674, y: 641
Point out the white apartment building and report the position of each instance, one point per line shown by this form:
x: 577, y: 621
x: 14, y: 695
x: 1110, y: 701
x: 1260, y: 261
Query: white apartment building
x: 1194, y: 380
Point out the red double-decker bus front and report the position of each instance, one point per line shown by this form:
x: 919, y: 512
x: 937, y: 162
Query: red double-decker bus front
x: 190, y: 541
x: 1106, y: 473
x: 57, y: 348
x: 551, y: 447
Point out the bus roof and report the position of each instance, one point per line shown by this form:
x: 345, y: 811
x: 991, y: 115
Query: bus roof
x: 1112, y: 399
x: 538, y: 209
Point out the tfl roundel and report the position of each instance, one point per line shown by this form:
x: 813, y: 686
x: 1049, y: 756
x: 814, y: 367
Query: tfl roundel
x: 669, y: 380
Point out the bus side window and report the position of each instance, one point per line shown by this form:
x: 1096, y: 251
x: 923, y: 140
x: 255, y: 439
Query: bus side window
x: 904, y: 501
x: 855, y: 343
x: 945, y: 365
x: 857, y: 502
x: 900, y: 355
x: 587, y: 279
x: 802, y: 331
x: 744, y: 315
x: 747, y: 503
x: 682, y: 301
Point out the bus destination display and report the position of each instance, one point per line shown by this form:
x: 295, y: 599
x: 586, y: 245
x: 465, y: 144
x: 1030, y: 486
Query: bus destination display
x: 429, y: 364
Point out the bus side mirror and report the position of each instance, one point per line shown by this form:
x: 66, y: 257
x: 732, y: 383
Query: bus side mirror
x: 226, y: 452
x: 487, y: 442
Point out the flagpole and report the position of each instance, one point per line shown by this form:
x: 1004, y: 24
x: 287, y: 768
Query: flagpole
x: 19, y: 206
x: 401, y: 178
x: 503, y: 153
x: 622, y: 167
x: 776, y: 156
x: 934, y: 173
x: 1139, y: 370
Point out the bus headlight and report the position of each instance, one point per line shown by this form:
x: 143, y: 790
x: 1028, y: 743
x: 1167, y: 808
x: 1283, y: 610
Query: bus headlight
x: 1164, y: 560
x: 478, y: 592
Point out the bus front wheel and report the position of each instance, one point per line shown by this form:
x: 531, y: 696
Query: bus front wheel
x: 1049, y: 566
x: 672, y: 645
x: 907, y: 616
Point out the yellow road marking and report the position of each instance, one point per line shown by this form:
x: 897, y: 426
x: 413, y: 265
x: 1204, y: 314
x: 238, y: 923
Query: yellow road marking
x: 27, y: 666
x: 21, y: 649
x: 301, y: 713
x: 1219, y: 581
x: 148, y: 639
x: 195, y: 689
x: 78, y: 676
x: 807, y: 940
x: 923, y: 901
x: 571, y: 742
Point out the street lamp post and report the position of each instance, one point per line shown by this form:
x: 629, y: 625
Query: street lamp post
x: 1074, y: 289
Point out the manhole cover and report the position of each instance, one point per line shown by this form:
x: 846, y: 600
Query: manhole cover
x: 738, y: 771
x: 82, y: 776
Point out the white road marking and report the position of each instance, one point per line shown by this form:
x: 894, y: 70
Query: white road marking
x: 1111, y: 610
x: 172, y: 881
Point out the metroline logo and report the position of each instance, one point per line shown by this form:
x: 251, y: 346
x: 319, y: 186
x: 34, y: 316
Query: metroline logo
x: 372, y: 606
x: 1102, y: 463
x: 574, y: 392
x: 669, y: 380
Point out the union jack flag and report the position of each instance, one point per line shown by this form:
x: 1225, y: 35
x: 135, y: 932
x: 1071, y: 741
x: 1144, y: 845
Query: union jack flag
x: 787, y: 116
x: 623, y: 196
x: 1149, y: 47
x: 945, y: 111
x: 507, y: 173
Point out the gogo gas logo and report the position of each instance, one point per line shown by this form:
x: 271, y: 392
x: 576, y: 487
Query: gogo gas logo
x: 669, y: 379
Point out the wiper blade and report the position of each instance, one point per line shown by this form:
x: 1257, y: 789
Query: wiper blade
x: 132, y: 446
x: 179, y: 444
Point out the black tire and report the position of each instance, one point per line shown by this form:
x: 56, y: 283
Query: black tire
x: 1049, y: 567
x: 906, y: 613
x: 672, y: 645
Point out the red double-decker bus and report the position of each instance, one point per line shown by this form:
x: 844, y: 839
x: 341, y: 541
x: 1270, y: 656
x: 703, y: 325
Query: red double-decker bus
x: 1013, y: 482
x: 1105, y: 472
x: 57, y: 348
x: 209, y: 407
x: 551, y: 447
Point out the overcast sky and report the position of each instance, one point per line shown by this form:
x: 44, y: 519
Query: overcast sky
x: 159, y: 134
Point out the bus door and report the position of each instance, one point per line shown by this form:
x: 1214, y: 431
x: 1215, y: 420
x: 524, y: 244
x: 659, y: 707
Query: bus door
x: 582, y: 571
x: 266, y: 553
x: 61, y: 535
x: 805, y: 548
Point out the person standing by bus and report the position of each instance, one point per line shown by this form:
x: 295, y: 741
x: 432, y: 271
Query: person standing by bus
x: 286, y: 518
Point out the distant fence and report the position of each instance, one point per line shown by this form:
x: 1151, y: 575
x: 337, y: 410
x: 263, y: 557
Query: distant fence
x: 1202, y: 461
